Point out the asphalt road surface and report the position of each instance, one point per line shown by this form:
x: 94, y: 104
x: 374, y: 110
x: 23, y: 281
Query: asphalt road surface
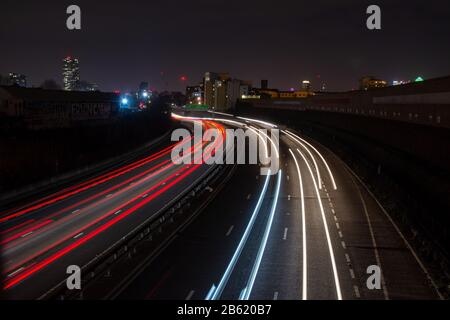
x: 308, y: 231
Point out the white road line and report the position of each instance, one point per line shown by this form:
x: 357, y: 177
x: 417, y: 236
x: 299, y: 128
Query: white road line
x: 229, y: 231
x: 347, y: 258
x: 340, y: 234
x: 287, y: 177
x: 289, y: 197
x: 144, y: 196
x: 352, y: 273
x: 304, y: 251
x: 332, y: 210
x: 343, y: 245
x: 356, y: 289
x: 285, y: 233
x: 78, y: 210
x: 327, y: 232
x: 26, y: 234
x: 249, y: 196
x: 117, y: 212
x: 15, y: 272
x: 275, y: 295
x: 337, y: 225
x: 189, y: 296
x: 78, y: 235
x: 335, y: 218
x: 109, y: 195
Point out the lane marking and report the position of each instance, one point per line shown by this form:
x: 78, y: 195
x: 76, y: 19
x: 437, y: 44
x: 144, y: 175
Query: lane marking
x: 352, y: 273
x: 26, y: 234
x: 340, y: 234
x: 189, y: 296
x: 15, y: 272
x: 117, y: 212
x: 347, y: 258
x: 289, y: 197
x: 285, y: 233
x: 343, y: 245
x: 327, y: 232
x: 249, y: 196
x: 109, y: 195
x: 275, y: 295
x: 356, y: 289
x: 78, y: 210
x: 229, y: 231
x: 78, y: 235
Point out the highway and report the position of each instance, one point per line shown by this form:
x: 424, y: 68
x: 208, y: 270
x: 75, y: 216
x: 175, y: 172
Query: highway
x: 307, y: 232
x: 322, y: 239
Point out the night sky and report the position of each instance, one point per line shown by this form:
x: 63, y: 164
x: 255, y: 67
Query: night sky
x: 124, y: 42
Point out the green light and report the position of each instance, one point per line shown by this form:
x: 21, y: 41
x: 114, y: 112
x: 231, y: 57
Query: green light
x: 419, y: 79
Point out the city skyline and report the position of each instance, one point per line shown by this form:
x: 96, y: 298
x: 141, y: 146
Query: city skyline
x: 325, y: 43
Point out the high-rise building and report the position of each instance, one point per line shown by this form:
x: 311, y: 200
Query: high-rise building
x: 215, y: 90
x: 71, y: 73
x: 264, y: 84
x: 17, y: 79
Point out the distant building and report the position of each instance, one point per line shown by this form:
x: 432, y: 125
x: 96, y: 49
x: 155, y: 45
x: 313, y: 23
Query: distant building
x: 233, y: 93
x: 194, y: 94
x: 86, y: 86
x: 264, y: 84
x: 71, y: 73
x: 245, y: 89
x: 17, y: 79
x: 39, y: 108
x: 221, y: 92
x: 306, y: 85
x: 295, y: 94
x: 369, y: 82
x: 215, y: 90
x: 143, y: 86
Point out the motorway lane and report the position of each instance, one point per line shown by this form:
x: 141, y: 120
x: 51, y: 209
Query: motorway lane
x: 82, y: 218
x: 360, y: 217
